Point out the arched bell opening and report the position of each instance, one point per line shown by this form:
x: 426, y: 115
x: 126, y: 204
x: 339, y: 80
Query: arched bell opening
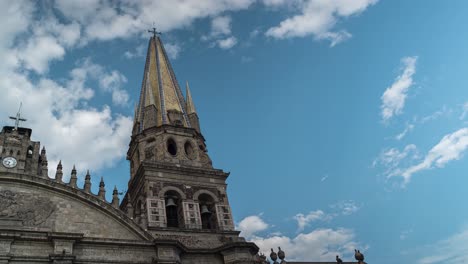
x: 207, y: 211
x: 173, y: 209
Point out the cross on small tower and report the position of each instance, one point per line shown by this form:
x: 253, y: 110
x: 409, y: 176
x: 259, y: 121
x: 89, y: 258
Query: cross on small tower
x: 18, y: 118
x: 155, y: 33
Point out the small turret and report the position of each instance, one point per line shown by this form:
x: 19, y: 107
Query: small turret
x: 87, y: 183
x: 44, y: 164
x: 59, y: 173
x: 190, y: 108
x: 115, y: 198
x: 73, y: 178
x: 102, y: 189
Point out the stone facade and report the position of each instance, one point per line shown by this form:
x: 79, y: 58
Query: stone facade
x: 176, y: 208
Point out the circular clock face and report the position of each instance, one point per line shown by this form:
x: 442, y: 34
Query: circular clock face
x: 9, y: 162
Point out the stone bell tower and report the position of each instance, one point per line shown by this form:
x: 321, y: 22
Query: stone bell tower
x: 174, y: 192
x: 18, y: 154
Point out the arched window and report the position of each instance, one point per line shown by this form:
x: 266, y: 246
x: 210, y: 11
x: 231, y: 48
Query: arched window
x: 207, y: 211
x: 173, y: 207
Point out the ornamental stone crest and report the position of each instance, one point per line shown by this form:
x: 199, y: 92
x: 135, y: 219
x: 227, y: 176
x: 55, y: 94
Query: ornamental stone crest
x: 24, y: 207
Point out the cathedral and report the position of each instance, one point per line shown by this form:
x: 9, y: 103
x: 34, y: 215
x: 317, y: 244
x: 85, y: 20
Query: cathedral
x: 176, y: 209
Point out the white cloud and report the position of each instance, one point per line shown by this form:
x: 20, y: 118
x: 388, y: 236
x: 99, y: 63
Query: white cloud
x: 305, y: 220
x: 109, y: 81
x: 221, y: 25
x: 450, y: 147
x: 444, y: 111
x: 172, y: 50
x: 88, y: 137
x: 452, y: 250
x: 317, y: 18
x: 227, y: 43
x: 342, y: 208
x: 105, y: 20
x: 220, y: 34
x: 39, y: 51
x: 251, y: 225
x: 320, y: 244
x: 137, y: 53
x: 394, y: 97
x: 347, y: 207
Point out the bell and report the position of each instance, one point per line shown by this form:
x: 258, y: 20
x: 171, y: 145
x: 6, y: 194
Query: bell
x: 204, y: 209
x: 170, y: 202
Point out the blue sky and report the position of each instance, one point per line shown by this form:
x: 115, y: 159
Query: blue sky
x: 343, y: 122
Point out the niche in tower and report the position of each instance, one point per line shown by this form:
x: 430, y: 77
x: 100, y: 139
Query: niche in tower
x: 173, y: 215
x: 171, y: 147
x: 207, y: 211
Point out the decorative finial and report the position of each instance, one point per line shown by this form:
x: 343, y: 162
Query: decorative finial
x: 359, y: 256
x: 18, y: 118
x: 115, y: 198
x: 73, y: 177
x: 273, y: 256
x: 281, y: 255
x: 155, y: 33
x: 87, y: 183
x: 59, y: 173
x: 102, y: 189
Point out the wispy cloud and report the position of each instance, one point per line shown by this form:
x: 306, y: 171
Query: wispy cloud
x: 450, y: 147
x: 341, y: 208
x: 405, y: 233
x: 227, y: 43
x: 346, y: 207
x: 252, y: 225
x: 317, y: 18
x: 220, y: 34
x: 464, y: 111
x: 324, y: 178
x: 452, y: 250
x: 394, y: 97
x: 304, y: 220
x: 408, y: 128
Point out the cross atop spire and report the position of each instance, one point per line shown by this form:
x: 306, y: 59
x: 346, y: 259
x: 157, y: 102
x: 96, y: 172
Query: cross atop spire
x: 155, y: 33
x: 18, y: 118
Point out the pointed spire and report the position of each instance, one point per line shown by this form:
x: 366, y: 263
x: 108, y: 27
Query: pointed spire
x: 161, y: 100
x: 73, y: 178
x: 129, y: 207
x: 87, y: 183
x: 115, y: 198
x: 59, y: 172
x: 102, y: 189
x: 190, y: 105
